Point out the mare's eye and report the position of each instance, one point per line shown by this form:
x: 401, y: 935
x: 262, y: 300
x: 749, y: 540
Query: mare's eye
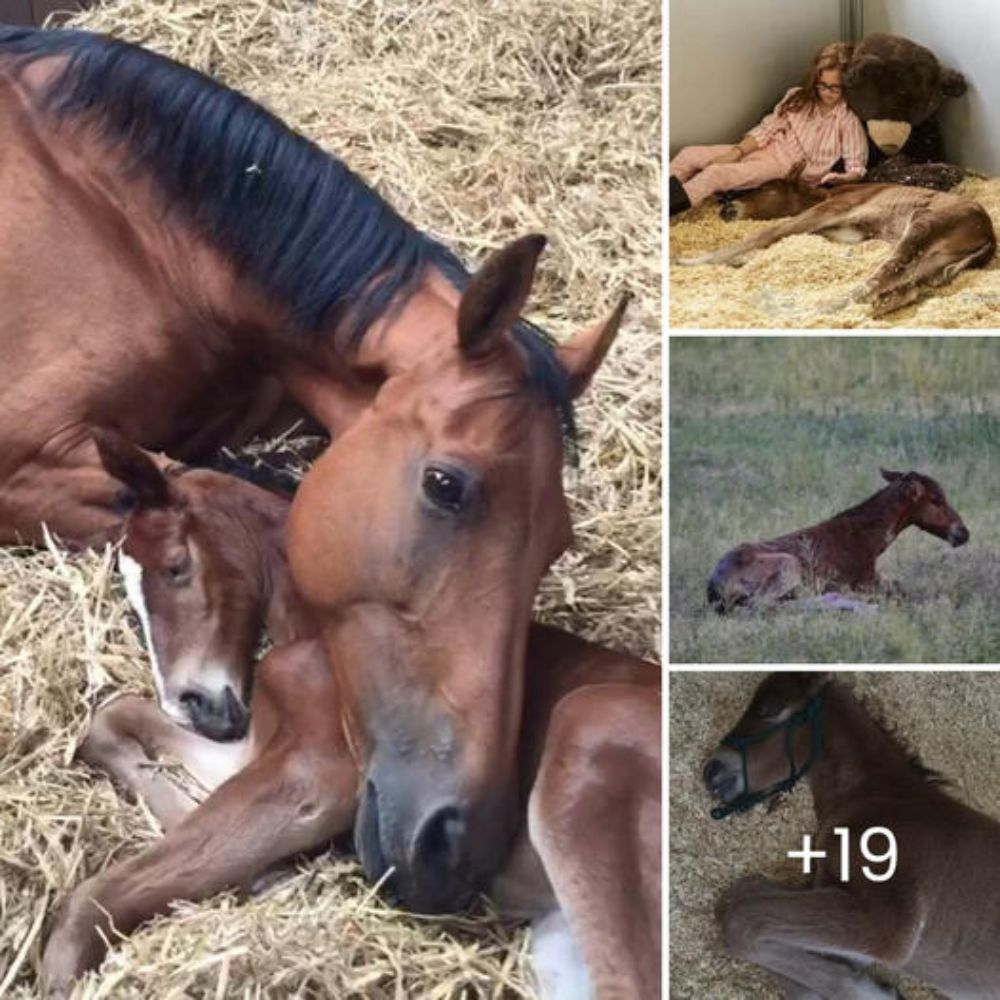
x: 445, y: 488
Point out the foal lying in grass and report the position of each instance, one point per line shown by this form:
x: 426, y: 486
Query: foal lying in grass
x: 839, y: 552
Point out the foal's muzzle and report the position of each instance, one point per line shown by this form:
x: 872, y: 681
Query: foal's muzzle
x: 958, y: 536
x: 217, y: 716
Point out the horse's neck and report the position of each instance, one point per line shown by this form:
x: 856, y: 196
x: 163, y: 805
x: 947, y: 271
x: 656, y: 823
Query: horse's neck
x: 878, y: 520
x: 857, y: 755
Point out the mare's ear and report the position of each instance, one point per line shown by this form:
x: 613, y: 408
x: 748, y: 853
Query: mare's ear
x: 891, y: 477
x: 133, y: 467
x: 495, y: 296
x: 583, y: 353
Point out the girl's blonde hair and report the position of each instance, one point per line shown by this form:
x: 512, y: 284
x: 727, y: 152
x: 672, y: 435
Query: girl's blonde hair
x: 836, y: 55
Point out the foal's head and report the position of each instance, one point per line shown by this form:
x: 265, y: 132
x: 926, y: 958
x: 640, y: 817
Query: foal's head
x: 193, y: 572
x: 419, y: 537
x: 775, y: 742
x: 924, y: 504
x: 775, y: 199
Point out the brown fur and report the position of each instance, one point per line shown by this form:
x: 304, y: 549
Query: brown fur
x: 937, y: 234
x: 841, y: 551
x: 589, y: 742
x: 935, y: 919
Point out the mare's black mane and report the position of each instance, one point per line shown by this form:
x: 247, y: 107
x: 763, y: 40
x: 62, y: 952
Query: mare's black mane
x: 305, y: 228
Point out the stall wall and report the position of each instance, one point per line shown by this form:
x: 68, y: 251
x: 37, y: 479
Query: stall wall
x: 731, y: 60
x: 964, y: 35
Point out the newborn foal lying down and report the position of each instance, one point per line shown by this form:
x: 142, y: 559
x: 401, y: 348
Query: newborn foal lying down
x: 590, y: 748
x: 840, y: 551
x: 937, y: 235
x: 936, y: 917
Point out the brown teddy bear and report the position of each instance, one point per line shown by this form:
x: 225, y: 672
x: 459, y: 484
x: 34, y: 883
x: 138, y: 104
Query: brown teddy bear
x: 895, y: 87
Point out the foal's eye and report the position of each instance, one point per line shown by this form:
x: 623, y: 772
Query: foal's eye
x: 178, y: 574
x: 445, y: 488
x: 769, y: 708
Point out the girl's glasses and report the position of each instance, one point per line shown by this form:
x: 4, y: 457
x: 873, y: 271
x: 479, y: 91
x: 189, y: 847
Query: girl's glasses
x: 833, y: 88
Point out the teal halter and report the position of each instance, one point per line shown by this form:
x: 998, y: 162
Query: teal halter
x: 811, y: 712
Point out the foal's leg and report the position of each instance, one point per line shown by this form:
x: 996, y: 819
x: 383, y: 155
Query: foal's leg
x: 284, y: 803
x: 813, y: 220
x: 130, y: 736
x: 602, y: 760
x: 821, y: 940
x: 299, y: 793
x: 932, y: 251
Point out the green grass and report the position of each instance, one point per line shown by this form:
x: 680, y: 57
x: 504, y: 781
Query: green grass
x: 772, y: 434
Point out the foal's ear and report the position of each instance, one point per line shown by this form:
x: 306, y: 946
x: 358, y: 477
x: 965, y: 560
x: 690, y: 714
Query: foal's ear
x: 495, y: 296
x: 133, y: 467
x: 817, y: 679
x: 583, y: 353
x: 891, y: 477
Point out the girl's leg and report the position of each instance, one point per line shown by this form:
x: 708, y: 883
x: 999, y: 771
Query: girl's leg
x: 758, y: 168
x: 691, y: 159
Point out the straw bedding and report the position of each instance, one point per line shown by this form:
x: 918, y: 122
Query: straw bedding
x: 947, y: 717
x: 479, y: 122
x: 801, y: 281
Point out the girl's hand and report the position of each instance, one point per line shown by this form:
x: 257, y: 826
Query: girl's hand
x: 734, y: 155
x: 835, y: 179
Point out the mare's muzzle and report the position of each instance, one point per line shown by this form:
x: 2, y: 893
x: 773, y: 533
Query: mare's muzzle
x: 725, y: 772
x: 414, y: 834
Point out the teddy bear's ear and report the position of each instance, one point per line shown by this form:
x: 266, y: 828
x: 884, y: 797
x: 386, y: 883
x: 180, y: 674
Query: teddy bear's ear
x: 953, y: 83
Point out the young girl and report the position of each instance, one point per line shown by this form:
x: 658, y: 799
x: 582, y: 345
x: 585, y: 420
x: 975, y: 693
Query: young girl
x: 811, y: 123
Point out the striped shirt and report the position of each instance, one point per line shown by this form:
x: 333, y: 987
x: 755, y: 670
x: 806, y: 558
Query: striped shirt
x: 819, y: 139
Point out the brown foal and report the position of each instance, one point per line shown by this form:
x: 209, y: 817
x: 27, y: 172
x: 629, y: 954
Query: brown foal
x: 936, y: 918
x: 937, y: 235
x: 589, y: 745
x: 839, y: 552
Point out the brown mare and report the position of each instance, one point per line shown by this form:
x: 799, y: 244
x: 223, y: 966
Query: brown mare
x: 839, y: 552
x: 937, y: 918
x: 589, y: 744
x: 179, y: 265
x: 937, y: 234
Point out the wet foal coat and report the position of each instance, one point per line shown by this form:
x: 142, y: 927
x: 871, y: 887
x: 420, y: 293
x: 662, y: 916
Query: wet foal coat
x: 937, y: 235
x: 839, y: 552
x: 179, y: 265
x: 589, y: 743
x: 937, y: 918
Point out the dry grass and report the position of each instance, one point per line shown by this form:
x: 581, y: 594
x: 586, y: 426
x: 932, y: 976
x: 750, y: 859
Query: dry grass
x: 794, y: 283
x: 479, y: 121
x: 947, y: 717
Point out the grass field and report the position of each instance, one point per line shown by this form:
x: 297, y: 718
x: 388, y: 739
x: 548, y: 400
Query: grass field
x: 772, y: 434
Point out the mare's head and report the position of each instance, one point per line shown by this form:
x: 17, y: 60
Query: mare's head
x: 420, y: 537
x: 924, y: 504
x: 775, y: 742
x: 775, y: 199
x: 196, y: 547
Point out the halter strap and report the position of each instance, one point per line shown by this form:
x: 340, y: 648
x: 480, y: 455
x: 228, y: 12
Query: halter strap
x: 811, y: 712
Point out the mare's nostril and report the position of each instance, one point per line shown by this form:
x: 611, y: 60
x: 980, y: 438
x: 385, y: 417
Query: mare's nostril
x: 439, y: 841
